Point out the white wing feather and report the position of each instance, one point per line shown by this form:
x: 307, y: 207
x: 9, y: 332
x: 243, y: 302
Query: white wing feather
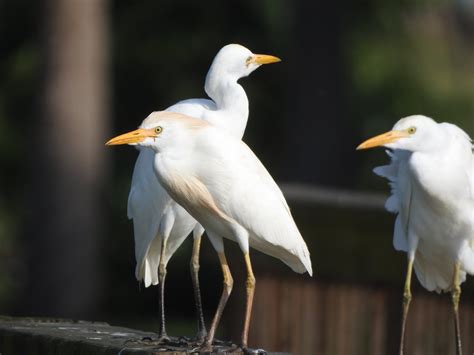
x: 399, y: 200
x: 467, y: 254
x: 250, y: 196
x: 147, y: 202
x: 432, y: 276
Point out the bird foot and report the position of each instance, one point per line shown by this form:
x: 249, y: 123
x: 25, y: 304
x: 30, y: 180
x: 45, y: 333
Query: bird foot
x: 163, y: 339
x: 250, y: 351
x: 199, y: 338
x: 205, y: 348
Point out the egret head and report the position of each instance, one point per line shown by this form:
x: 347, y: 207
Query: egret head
x: 412, y: 133
x: 237, y: 61
x: 161, y: 130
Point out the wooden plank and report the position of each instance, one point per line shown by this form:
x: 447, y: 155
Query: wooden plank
x: 331, y: 318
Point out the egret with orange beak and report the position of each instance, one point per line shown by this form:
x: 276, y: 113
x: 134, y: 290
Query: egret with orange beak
x: 432, y: 179
x: 223, y: 185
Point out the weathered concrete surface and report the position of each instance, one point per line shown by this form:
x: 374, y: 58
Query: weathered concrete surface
x: 31, y: 336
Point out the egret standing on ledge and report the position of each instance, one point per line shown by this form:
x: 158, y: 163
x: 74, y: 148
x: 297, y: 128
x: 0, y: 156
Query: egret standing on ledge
x: 223, y: 185
x: 432, y: 179
x: 160, y: 224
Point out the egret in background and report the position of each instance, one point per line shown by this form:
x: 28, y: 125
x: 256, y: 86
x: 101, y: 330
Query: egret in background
x: 432, y: 178
x: 160, y: 224
x: 223, y: 185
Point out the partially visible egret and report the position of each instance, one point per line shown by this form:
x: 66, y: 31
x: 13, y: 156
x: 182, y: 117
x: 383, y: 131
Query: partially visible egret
x: 223, y: 185
x: 432, y: 178
x: 160, y: 224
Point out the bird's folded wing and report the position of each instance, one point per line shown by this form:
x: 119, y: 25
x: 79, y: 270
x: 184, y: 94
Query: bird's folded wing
x: 462, y: 138
x: 253, y: 199
x: 399, y: 201
x: 147, y: 202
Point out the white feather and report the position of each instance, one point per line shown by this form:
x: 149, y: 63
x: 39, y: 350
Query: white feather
x: 245, y: 195
x: 399, y: 199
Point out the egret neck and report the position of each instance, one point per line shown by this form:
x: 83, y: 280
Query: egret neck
x: 229, y: 96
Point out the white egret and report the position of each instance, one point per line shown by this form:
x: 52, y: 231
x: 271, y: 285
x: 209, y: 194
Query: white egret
x: 432, y: 178
x: 160, y: 224
x: 224, y: 186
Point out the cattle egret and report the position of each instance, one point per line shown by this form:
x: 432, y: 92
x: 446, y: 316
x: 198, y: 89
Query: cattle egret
x: 223, y: 185
x: 432, y: 178
x: 160, y: 224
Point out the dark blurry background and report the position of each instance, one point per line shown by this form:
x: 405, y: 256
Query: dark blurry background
x: 74, y: 73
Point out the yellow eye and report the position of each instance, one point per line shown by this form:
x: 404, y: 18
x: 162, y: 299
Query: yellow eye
x: 412, y: 130
x: 249, y: 60
x: 158, y: 130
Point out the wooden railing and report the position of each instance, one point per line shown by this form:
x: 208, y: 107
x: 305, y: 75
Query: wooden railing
x: 335, y: 319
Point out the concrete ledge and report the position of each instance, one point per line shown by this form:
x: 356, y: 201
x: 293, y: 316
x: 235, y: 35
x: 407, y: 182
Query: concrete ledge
x: 63, y: 337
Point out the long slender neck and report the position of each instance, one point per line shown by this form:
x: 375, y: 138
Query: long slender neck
x: 226, y: 92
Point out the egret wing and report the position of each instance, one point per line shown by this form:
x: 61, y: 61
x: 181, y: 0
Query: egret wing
x: 147, y: 202
x: 248, y: 194
x: 399, y: 201
x: 463, y: 139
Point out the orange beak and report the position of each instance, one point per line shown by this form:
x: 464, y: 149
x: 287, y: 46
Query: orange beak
x: 264, y: 59
x: 132, y: 137
x: 383, y: 139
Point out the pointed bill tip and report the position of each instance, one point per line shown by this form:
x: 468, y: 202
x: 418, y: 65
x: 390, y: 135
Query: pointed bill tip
x: 265, y: 59
x: 362, y: 146
x: 382, y: 139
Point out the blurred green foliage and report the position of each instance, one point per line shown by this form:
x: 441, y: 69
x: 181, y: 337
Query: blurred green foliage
x: 411, y: 59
